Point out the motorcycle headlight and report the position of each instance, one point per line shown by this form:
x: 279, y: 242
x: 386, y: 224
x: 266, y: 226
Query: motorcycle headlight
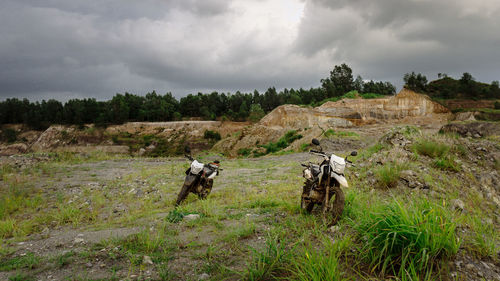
x: 307, y: 174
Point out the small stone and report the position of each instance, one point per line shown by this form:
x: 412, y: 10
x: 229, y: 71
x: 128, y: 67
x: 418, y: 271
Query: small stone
x: 79, y: 240
x: 102, y: 265
x: 469, y: 266
x: 458, y: 204
x: 191, y: 217
x: 333, y: 229
x: 147, y: 260
x: 89, y: 265
x: 203, y: 276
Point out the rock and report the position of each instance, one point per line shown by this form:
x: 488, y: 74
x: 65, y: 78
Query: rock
x: 458, y: 204
x: 333, y: 229
x: 147, y: 260
x: 79, y: 240
x: 191, y: 217
x: 120, y: 208
x: 88, y: 265
x: 470, y: 266
x: 142, y: 151
x: 13, y: 149
x: 203, y: 276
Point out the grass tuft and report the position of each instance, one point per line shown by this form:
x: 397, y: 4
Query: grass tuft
x: 388, y: 175
x: 431, y: 148
x: 407, y: 239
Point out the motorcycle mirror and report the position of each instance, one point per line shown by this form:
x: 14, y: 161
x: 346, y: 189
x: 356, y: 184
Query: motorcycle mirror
x: 354, y: 153
x: 187, y: 150
x: 315, y: 141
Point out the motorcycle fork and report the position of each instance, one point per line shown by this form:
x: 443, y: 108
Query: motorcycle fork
x: 327, y: 193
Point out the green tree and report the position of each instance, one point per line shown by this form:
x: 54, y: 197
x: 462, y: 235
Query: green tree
x: 256, y: 112
x: 340, y: 81
x: 415, y: 82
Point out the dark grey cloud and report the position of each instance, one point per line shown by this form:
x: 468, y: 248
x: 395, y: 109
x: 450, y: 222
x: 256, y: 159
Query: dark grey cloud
x: 96, y: 48
x: 390, y: 37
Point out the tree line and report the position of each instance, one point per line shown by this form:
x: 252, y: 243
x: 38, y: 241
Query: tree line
x: 209, y: 106
x: 446, y: 87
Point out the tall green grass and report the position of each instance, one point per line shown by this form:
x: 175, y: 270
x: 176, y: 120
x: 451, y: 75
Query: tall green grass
x: 269, y: 263
x: 407, y: 239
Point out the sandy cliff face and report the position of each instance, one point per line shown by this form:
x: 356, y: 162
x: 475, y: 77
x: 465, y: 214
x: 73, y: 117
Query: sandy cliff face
x: 405, y: 104
x: 405, y: 107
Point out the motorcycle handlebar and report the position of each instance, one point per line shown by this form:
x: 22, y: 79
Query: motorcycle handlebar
x: 189, y: 157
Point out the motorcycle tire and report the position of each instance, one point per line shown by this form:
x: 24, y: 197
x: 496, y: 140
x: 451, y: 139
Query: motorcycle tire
x: 305, y: 204
x: 182, y: 194
x: 338, y: 204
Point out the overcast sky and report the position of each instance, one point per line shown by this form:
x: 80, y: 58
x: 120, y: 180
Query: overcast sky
x: 64, y: 49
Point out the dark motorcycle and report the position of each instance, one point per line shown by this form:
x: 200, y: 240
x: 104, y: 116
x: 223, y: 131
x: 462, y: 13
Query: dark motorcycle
x: 199, y: 178
x: 323, y: 182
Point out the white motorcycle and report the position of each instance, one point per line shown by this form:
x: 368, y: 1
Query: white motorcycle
x: 323, y: 182
x: 199, y: 178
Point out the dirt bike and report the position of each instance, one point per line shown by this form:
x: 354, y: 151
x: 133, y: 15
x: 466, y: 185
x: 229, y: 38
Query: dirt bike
x: 199, y: 178
x: 323, y: 182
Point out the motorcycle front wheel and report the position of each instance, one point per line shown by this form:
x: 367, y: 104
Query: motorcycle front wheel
x: 337, y: 206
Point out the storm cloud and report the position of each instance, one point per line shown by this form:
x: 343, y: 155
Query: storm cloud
x: 95, y: 48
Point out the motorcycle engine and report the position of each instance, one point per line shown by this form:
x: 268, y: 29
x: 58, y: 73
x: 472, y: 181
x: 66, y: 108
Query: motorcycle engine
x: 315, y: 195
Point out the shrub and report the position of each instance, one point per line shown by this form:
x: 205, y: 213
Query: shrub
x: 9, y: 135
x: 282, y: 143
x: 406, y: 239
x: 211, y: 135
x: 497, y: 105
x: 244, y: 151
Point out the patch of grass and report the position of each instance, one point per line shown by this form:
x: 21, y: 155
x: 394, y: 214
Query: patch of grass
x: 407, y: 239
x: 305, y: 147
x: 388, y: 175
x: 267, y: 264
x: 241, y: 232
x: 7, y: 228
x: 318, y: 264
x: 63, y: 259
x: 481, y: 240
x: 431, y: 148
x: 340, y: 134
x: 21, y: 277
x: 447, y: 163
x: 28, y: 261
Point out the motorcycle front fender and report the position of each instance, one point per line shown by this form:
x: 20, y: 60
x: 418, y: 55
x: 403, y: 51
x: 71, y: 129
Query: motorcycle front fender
x: 190, y: 179
x: 340, y: 179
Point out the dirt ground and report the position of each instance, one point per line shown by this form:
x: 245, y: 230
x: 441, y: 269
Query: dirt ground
x: 113, y: 218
